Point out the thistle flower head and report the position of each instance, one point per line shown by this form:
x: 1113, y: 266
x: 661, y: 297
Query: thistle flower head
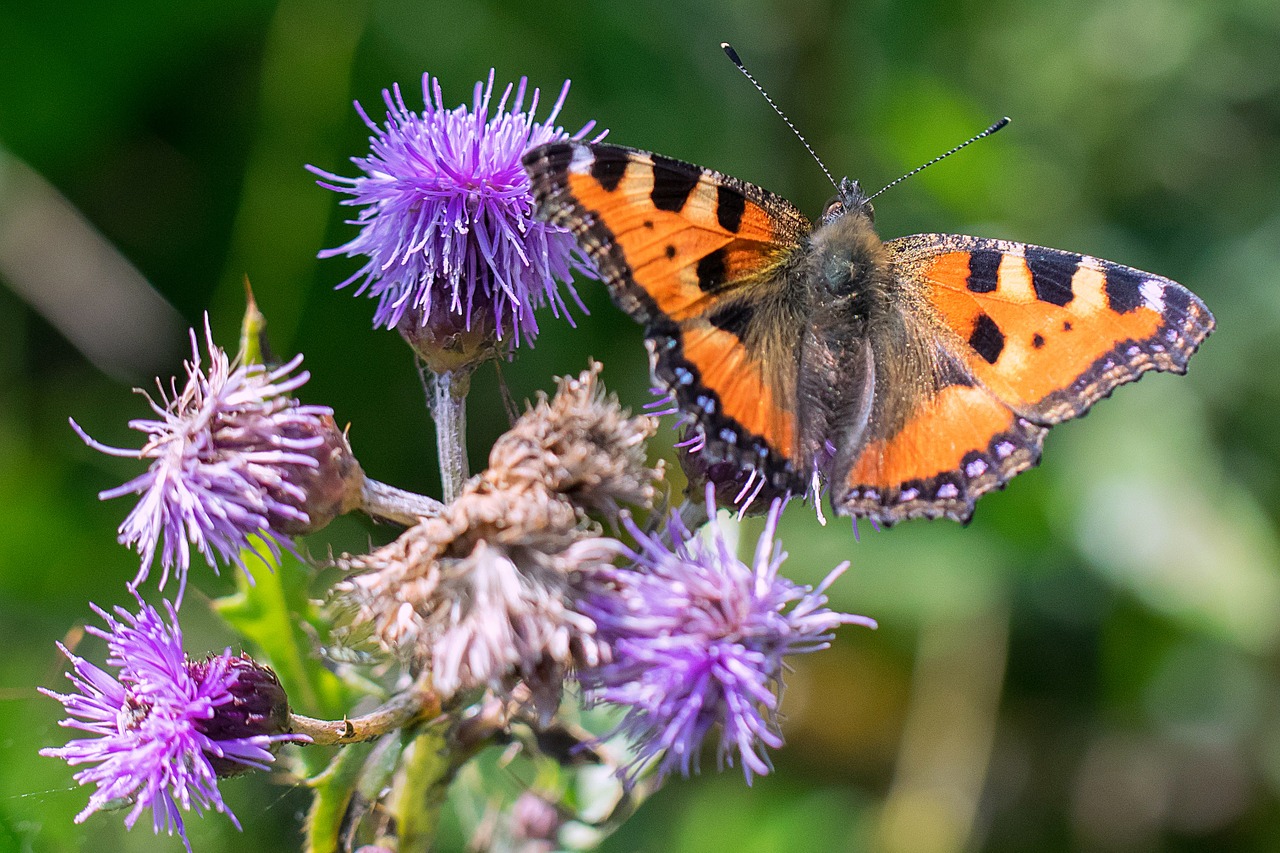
x: 163, y: 727
x: 582, y: 445
x: 697, y: 639
x: 233, y: 455
x: 454, y: 254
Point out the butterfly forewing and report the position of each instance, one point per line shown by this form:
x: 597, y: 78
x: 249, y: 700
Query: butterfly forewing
x: 693, y: 255
x: 667, y: 236
x: 1051, y: 332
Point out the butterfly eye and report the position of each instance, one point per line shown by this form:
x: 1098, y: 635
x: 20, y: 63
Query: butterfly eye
x: 832, y: 209
x: 869, y: 211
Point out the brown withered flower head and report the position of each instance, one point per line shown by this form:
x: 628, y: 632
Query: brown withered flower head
x: 481, y: 594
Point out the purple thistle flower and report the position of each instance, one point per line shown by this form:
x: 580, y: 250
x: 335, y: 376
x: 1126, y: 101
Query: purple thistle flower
x: 233, y: 456
x: 698, y: 638
x: 165, y: 727
x: 448, y: 221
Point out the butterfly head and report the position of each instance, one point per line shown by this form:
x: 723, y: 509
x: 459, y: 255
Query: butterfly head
x: 849, y: 199
x: 849, y: 261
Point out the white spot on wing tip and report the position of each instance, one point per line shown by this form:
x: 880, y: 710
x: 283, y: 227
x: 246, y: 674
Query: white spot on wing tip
x: 1152, y: 295
x: 582, y: 159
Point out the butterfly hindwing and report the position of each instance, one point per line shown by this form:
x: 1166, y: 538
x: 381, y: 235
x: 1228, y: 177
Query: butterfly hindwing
x: 694, y: 255
x: 959, y: 442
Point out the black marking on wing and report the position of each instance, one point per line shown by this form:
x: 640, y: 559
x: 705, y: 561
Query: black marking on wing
x: 1051, y: 273
x: 984, y: 269
x: 672, y: 183
x: 712, y: 271
x: 1123, y: 288
x: 987, y: 338
x: 730, y: 205
x: 734, y: 319
x: 608, y: 167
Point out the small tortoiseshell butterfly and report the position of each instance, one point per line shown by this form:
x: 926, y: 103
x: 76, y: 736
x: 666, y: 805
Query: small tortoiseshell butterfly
x: 912, y: 374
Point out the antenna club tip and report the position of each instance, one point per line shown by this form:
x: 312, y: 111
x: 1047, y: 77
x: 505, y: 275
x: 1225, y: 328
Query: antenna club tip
x: 731, y: 53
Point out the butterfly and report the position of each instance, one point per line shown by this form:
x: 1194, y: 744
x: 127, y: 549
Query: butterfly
x: 909, y: 375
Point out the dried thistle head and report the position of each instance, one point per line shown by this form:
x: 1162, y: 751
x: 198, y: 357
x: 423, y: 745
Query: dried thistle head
x: 482, y: 594
x: 581, y: 444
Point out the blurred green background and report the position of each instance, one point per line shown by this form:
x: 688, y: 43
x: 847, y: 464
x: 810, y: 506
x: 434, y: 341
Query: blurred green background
x: 1091, y: 664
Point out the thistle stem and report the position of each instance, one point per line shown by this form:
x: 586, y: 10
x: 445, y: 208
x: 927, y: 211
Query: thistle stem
x: 448, y: 395
x: 401, y: 711
x: 383, y: 501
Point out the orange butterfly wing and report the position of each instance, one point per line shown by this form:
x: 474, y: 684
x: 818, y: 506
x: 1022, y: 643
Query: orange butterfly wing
x: 959, y: 443
x: 693, y: 255
x: 978, y: 348
x: 1030, y: 337
x: 1052, y: 332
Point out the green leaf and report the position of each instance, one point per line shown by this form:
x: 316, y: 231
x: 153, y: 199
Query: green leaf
x: 333, y: 788
x: 272, y: 611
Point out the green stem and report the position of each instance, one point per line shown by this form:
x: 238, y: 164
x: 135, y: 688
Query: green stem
x: 335, y: 787
x: 426, y: 773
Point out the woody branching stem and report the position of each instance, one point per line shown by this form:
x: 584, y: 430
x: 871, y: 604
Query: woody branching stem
x: 401, y: 711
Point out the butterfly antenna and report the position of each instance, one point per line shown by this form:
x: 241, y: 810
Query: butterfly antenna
x: 737, y: 60
x: 990, y: 130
